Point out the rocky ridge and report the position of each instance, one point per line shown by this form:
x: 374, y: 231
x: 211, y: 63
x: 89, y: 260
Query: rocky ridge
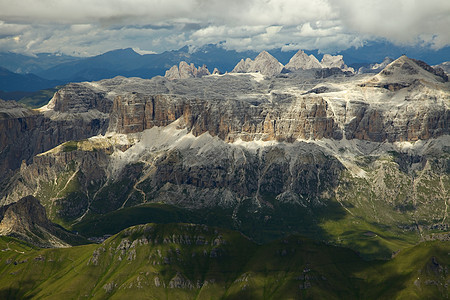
x: 444, y: 66
x: 184, y: 70
x: 267, y: 65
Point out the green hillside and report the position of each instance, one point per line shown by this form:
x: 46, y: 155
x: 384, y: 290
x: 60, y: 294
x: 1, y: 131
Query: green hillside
x: 185, y: 261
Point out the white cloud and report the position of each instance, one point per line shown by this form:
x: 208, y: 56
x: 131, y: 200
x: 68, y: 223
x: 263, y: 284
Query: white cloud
x: 403, y: 21
x: 90, y: 27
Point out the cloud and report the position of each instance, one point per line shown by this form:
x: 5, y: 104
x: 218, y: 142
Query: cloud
x: 401, y: 21
x: 90, y: 27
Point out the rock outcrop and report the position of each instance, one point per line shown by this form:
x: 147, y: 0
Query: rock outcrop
x: 337, y: 61
x: 264, y: 63
x: 184, y: 70
x: 301, y: 61
x: 77, y: 111
x: 267, y: 65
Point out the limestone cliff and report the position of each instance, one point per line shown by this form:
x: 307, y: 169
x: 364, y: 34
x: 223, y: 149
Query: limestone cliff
x: 244, y: 141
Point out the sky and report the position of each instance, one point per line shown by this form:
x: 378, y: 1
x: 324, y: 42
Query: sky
x: 91, y: 27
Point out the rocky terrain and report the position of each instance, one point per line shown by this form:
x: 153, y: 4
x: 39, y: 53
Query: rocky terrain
x: 359, y: 161
x: 268, y: 65
x: 184, y: 70
x: 27, y: 219
x: 372, y: 147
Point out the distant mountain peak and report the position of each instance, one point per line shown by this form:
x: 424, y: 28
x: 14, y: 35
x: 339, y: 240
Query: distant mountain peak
x: 405, y: 72
x: 120, y: 52
x: 336, y: 61
x: 184, y: 70
x: 301, y: 61
x: 264, y: 63
x: 404, y: 67
x: 376, y: 67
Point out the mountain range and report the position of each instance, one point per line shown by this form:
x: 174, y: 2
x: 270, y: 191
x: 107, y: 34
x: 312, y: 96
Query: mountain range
x: 59, y: 69
x: 293, y: 171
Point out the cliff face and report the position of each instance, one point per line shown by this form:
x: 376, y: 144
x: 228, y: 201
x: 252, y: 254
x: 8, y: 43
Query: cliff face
x: 287, y: 118
x: 240, y: 140
x: 392, y: 106
x: 76, y: 112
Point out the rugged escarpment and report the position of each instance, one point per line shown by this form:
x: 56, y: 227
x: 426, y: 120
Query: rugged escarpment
x: 404, y: 102
x: 286, y: 118
x: 27, y: 219
x: 76, y: 112
x: 272, y: 110
x: 252, y: 146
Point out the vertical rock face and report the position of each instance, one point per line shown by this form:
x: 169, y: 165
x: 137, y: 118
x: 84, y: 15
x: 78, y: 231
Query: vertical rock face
x: 184, y: 70
x: 75, y: 112
x: 305, y: 117
x: 79, y: 98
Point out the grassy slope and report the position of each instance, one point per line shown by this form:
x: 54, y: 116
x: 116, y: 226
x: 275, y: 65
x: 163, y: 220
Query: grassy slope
x: 370, y: 240
x: 196, y: 261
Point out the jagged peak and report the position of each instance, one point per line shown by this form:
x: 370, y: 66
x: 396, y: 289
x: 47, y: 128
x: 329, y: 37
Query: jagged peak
x: 264, y: 54
x: 185, y: 70
x: 264, y: 63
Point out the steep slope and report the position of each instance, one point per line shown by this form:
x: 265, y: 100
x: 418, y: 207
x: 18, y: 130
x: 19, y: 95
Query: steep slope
x: 404, y: 72
x: 26, y: 219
